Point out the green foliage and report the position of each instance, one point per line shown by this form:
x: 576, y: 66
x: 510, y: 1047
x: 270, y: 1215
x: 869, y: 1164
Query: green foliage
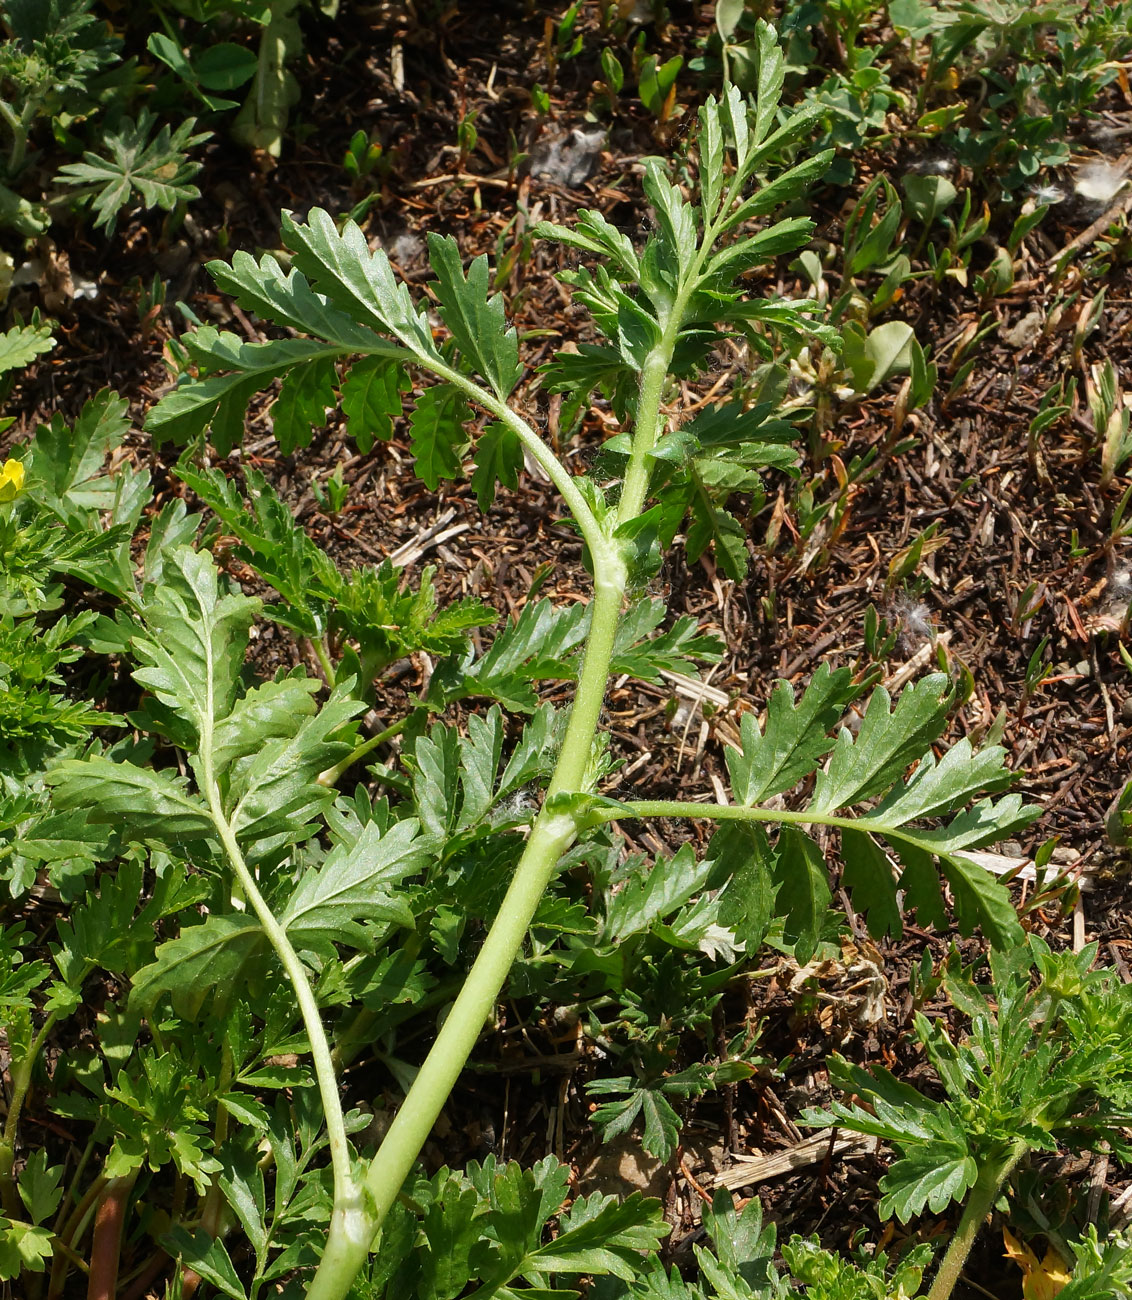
x: 862, y: 767
x: 251, y: 930
x: 1044, y: 1066
x: 20, y: 345
x: 158, y: 170
x: 48, y: 65
x: 487, y: 1225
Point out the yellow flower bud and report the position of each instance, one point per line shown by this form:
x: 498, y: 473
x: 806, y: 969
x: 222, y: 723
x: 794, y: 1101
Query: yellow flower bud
x: 11, y: 479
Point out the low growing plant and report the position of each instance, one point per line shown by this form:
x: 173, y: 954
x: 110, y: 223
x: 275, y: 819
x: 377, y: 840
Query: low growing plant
x: 1046, y: 1066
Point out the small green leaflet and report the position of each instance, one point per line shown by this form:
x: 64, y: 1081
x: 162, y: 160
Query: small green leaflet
x: 20, y: 345
x: 355, y: 885
x: 804, y: 895
x: 439, y: 439
x: 712, y: 525
x: 499, y: 458
x: 743, y: 852
x: 633, y: 1100
x: 356, y: 280
x: 885, y: 745
x: 195, y: 648
x: 371, y: 399
x: 145, y: 803
x: 477, y: 321
x: 274, y: 797
x: 795, y: 738
x: 868, y: 877
x: 201, y: 958
x: 307, y: 394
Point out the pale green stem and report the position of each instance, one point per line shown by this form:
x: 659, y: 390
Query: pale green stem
x: 347, y: 1192
x: 349, y: 1229
x: 334, y: 774
x: 732, y: 812
x: 551, y: 834
x: 727, y: 812
x: 550, y: 837
x: 553, y: 830
x: 322, y: 652
x: 558, y: 474
x: 979, y: 1204
x: 21, y: 1082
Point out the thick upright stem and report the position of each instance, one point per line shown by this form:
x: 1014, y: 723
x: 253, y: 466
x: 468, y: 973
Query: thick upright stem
x: 106, y: 1244
x: 979, y: 1204
x: 551, y: 835
x: 553, y: 831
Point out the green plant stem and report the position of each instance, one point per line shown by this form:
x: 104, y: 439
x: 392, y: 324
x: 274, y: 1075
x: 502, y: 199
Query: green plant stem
x: 334, y: 774
x: 551, y: 834
x: 734, y: 812
x: 21, y: 1082
x: 979, y: 1204
x: 556, y: 827
x: 558, y: 474
x: 348, y: 1228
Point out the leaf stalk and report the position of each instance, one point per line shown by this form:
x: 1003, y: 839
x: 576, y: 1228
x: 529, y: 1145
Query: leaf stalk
x: 981, y: 1201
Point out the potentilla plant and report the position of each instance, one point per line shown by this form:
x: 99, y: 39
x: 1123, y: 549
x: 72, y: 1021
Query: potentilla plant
x: 1045, y: 1066
x: 252, y: 802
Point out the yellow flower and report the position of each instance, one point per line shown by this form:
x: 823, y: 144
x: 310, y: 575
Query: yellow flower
x: 11, y: 479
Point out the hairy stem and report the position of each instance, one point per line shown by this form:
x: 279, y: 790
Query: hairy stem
x: 979, y: 1204
x: 555, y: 828
x: 551, y: 834
x: 346, y: 1190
